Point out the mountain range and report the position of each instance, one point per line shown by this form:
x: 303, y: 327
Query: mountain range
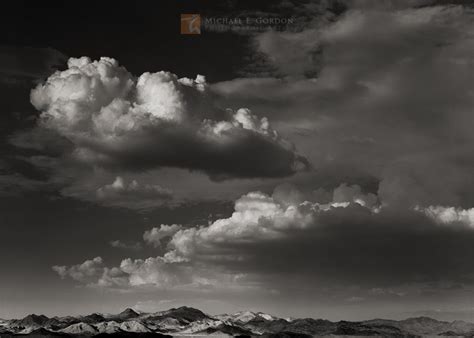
x: 187, y: 321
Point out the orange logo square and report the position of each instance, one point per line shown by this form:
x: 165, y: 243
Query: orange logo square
x: 190, y: 24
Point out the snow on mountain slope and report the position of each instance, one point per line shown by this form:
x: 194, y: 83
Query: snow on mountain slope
x: 186, y: 321
x: 201, y: 325
x: 80, y: 329
x: 245, y: 316
x: 133, y: 326
x: 108, y: 327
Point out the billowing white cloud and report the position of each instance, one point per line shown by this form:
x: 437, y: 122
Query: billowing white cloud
x: 447, y: 215
x: 115, y: 120
x: 165, y: 272
x: 257, y: 217
x: 84, y: 272
x: 260, y: 217
x: 284, y: 240
x: 158, y: 271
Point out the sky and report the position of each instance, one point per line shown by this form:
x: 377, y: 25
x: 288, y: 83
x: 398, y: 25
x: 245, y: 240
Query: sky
x: 321, y: 168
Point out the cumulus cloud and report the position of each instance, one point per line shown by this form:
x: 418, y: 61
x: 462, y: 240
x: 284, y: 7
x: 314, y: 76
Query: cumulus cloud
x: 155, y: 235
x: 92, y: 272
x: 165, y: 272
x: 257, y: 217
x: 347, y: 241
x: 283, y: 240
x: 84, y: 272
x: 260, y: 217
x: 159, y: 271
x: 115, y: 120
x: 447, y: 215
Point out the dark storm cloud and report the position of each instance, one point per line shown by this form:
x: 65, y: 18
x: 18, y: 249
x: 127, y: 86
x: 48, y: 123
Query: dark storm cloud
x: 246, y: 154
x: 352, y: 247
x: 397, y: 76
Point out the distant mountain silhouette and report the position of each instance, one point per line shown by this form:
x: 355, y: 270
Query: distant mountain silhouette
x: 127, y: 314
x: 93, y: 318
x: 188, y: 321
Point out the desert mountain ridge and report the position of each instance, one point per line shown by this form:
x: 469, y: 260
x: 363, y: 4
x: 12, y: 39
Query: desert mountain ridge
x: 188, y: 321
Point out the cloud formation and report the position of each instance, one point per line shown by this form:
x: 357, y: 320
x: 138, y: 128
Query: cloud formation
x: 81, y: 272
x: 120, y: 122
x: 346, y: 97
x: 282, y: 241
x: 155, y: 235
x: 125, y: 245
x: 447, y: 215
x: 133, y: 194
x: 391, y: 104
